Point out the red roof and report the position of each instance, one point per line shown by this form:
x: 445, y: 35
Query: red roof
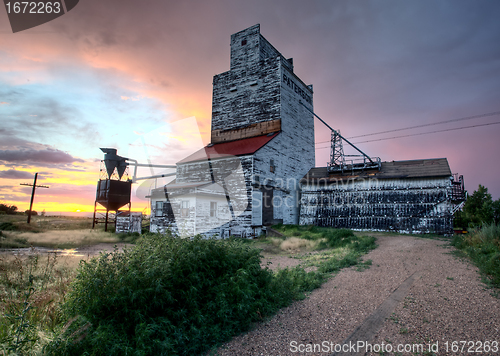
x: 242, y: 147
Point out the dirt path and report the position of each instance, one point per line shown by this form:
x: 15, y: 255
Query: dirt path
x: 442, y: 301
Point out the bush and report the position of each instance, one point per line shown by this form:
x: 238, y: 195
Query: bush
x: 293, y: 282
x: 483, y: 247
x: 130, y: 237
x: 338, y: 237
x: 8, y: 226
x: 334, y: 265
x: 172, y: 296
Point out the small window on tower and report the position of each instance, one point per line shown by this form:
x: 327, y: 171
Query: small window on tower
x: 213, y: 209
x: 272, y: 167
x: 184, y: 208
x: 159, y: 208
x: 244, y: 42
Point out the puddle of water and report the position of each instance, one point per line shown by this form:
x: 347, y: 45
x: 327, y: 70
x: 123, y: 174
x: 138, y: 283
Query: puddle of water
x: 28, y: 251
x: 68, y: 252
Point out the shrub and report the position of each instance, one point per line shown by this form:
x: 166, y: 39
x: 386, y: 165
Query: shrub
x: 338, y: 237
x: 334, y: 265
x: 293, y: 282
x: 483, y: 247
x: 130, y: 237
x: 172, y: 296
x: 332, y: 238
x: 8, y: 226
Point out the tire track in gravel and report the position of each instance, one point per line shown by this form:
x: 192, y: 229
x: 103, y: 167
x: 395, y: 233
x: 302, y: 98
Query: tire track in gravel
x: 369, y: 328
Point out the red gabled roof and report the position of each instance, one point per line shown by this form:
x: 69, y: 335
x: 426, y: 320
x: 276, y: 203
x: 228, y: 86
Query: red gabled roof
x: 242, y: 147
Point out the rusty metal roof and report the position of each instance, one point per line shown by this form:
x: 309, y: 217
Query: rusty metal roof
x: 242, y: 147
x: 421, y: 168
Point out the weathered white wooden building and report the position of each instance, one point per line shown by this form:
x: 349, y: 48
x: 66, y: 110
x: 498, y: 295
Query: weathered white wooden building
x: 416, y: 196
x: 259, y: 167
x: 262, y: 144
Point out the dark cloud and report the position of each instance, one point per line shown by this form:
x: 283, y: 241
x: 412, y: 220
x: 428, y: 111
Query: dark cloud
x: 16, y: 152
x: 14, y: 174
x: 50, y: 156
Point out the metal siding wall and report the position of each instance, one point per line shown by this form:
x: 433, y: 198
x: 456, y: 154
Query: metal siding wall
x: 411, y: 205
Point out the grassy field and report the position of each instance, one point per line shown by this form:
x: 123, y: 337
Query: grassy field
x: 52, y: 232
x: 43, y: 223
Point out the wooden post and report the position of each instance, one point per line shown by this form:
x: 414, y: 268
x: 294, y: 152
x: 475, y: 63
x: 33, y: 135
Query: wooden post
x: 33, y: 194
x: 32, y: 197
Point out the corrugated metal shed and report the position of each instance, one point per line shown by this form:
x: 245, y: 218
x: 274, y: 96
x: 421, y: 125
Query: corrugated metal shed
x: 234, y: 148
x: 421, y: 168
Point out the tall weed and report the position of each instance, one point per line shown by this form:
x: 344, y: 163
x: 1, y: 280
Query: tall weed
x: 482, y: 246
x: 30, y: 290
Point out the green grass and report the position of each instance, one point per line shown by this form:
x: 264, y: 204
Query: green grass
x: 339, y: 248
x: 482, y: 246
x: 328, y: 237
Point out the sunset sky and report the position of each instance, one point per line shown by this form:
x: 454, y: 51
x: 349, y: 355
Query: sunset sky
x: 137, y: 76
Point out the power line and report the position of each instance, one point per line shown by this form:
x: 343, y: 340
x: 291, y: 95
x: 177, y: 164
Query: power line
x: 431, y: 124
x: 423, y: 133
x: 424, y: 125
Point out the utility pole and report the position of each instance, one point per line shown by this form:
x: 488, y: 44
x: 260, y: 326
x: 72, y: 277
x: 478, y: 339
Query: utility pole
x: 33, y: 194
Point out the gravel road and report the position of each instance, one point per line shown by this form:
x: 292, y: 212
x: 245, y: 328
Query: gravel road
x: 444, y: 302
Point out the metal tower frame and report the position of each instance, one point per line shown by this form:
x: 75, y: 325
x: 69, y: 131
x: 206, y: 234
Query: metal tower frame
x: 338, y: 162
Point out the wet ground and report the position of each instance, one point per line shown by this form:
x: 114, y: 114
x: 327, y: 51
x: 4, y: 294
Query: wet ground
x: 84, y: 251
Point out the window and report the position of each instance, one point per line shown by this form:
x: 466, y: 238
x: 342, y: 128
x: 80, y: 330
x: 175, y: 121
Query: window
x: 159, y: 208
x: 272, y: 167
x: 184, y: 208
x: 213, y: 209
x: 244, y: 42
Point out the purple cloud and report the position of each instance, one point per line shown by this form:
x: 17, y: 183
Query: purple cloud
x: 48, y: 155
x: 13, y: 174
